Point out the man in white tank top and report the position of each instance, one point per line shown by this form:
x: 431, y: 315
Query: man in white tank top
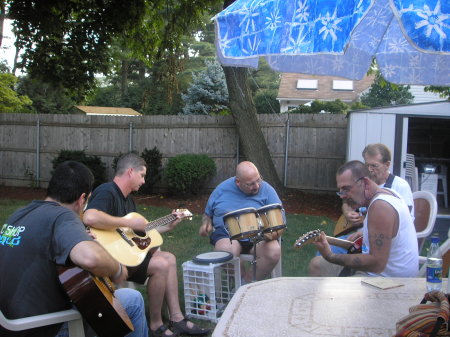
x: 389, y: 238
x: 377, y: 158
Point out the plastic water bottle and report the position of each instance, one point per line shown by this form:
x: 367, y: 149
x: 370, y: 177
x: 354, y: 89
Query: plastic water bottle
x: 434, y: 265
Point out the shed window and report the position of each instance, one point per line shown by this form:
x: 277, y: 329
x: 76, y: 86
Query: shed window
x: 307, y: 84
x: 342, y: 85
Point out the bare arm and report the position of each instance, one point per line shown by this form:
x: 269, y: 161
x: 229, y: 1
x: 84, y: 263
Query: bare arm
x: 101, y: 220
x: 206, y: 226
x: 383, y: 226
x: 171, y: 225
x: 90, y: 256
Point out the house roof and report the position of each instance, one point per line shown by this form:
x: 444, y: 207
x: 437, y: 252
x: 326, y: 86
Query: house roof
x: 288, y: 88
x: 107, y: 111
x: 431, y: 110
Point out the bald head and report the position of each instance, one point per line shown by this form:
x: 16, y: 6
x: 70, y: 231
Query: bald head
x: 247, y: 178
x: 246, y: 169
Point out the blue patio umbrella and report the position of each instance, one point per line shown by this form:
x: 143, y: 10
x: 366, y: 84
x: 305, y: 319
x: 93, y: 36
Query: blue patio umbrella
x: 410, y: 39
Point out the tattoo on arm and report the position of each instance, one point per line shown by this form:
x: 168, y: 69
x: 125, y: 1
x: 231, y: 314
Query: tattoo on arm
x: 379, y: 240
x: 346, y: 260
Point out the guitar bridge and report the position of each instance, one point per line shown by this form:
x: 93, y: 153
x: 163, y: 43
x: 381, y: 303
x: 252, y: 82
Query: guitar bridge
x: 142, y: 243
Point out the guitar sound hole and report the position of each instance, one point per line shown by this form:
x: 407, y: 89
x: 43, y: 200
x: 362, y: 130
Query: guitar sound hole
x: 142, y: 243
x: 139, y: 233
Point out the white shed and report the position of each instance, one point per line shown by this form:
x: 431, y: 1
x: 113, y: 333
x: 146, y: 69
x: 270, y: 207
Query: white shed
x: 419, y: 129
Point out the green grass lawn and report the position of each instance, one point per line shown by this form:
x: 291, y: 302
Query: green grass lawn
x: 185, y: 242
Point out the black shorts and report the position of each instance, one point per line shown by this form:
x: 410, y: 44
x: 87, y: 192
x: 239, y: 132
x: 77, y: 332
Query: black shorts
x: 138, y: 274
x: 221, y: 232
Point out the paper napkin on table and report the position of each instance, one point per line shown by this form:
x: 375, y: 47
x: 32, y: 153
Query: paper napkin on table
x: 382, y: 282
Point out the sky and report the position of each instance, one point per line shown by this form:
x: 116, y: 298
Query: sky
x: 7, y: 50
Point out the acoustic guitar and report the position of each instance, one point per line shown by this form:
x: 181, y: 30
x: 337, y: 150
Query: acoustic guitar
x: 95, y: 300
x: 351, y: 246
x: 130, y: 247
x: 343, y: 227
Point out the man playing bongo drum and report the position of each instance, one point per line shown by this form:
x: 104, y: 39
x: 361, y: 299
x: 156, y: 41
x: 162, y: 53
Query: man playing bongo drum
x: 245, y: 191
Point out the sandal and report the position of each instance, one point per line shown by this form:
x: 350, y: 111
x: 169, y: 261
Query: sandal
x: 160, y: 332
x: 182, y: 328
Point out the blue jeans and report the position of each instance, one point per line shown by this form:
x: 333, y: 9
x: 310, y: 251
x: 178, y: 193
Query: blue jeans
x: 133, y: 303
x: 336, y: 249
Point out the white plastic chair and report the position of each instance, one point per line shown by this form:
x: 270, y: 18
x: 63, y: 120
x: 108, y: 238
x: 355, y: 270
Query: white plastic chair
x: 442, y: 177
x: 425, y: 211
x: 411, y: 172
x: 72, y: 316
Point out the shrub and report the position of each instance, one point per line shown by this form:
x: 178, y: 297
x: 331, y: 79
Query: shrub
x: 266, y: 101
x: 94, y: 163
x: 188, y: 173
x: 153, y: 158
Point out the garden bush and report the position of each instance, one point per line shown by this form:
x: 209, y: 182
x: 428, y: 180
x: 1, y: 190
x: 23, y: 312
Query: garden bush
x: 94, y: 163
x: 189, y: 173
x: 153, y: 158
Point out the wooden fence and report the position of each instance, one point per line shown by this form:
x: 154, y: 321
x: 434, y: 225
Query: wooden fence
x: 306, y: 148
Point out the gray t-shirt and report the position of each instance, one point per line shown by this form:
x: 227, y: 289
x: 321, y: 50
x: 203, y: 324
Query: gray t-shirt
x: 34, y: 240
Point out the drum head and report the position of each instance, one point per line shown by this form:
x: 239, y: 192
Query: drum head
x: 239, y: 212
x: 268, y: 207
x: 212, y: 257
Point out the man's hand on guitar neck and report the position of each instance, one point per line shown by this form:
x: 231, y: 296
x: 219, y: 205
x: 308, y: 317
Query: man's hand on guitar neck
x: 171, y: 225
x: 322, y: 245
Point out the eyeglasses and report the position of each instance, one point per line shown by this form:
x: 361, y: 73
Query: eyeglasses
x: 373, y: 166
x: 257, y: 182
x: 344, y: 190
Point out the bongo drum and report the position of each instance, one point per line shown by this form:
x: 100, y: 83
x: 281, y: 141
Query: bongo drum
x: 242, y: 223
x: 272, y: 220
x: 212, y: 257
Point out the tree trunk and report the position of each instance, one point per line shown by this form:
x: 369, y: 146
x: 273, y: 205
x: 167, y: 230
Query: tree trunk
x: 251, y: 137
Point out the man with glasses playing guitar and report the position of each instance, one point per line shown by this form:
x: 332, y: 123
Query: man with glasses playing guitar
x: 389, y: 245
x: 377, y: 158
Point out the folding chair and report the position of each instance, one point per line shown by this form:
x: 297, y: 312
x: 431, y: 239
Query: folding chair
x: 72, y: 316
x: 411, y: 172
x: 425, y: 211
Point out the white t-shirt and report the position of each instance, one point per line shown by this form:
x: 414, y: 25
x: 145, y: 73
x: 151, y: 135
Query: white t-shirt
x: 403, y: 259
x: 402, y: 188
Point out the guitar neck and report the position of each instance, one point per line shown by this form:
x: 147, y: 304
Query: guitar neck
x: 160, y: 222
x: 339, y: 242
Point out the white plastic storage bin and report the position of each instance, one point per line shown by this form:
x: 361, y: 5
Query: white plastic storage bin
x: 209, y: 288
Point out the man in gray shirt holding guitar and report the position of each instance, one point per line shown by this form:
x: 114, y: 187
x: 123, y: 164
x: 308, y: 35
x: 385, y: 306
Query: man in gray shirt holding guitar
x: 45, y: 243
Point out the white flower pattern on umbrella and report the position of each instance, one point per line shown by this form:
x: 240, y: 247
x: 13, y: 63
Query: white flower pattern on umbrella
x: 330, y: 26
x: 288, y: 33
x: 432, y: 20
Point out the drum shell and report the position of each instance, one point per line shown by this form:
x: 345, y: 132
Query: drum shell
x: 272, y: 221
x: 242, y: 223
